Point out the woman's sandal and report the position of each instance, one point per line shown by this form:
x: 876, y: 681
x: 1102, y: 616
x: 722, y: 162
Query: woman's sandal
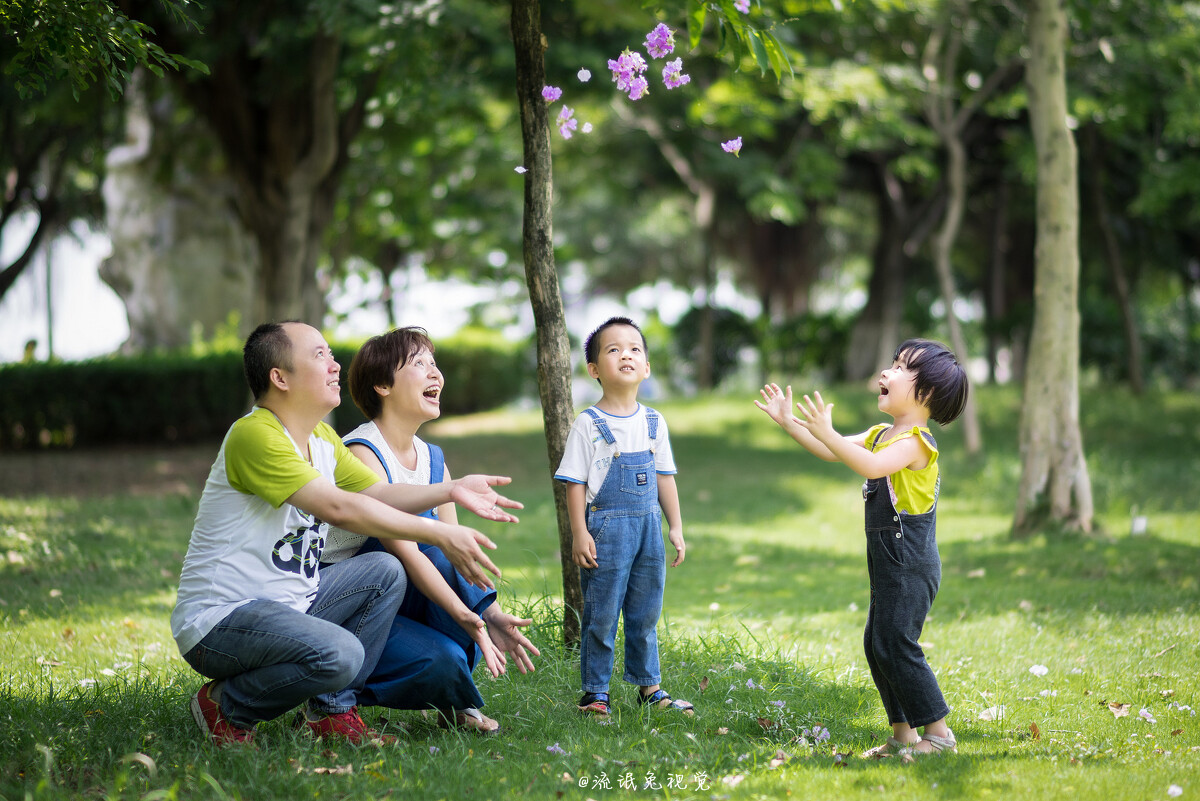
x: 469, y: 719
x: 594, y: 704
x: 660, y: 699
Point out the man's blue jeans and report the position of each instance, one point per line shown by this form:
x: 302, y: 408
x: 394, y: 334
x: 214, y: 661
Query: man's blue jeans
x: 272, y: 658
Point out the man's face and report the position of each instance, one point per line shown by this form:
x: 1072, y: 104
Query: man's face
x: 314, y: 376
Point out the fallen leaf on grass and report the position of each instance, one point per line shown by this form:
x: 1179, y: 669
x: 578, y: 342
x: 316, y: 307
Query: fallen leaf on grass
x: 766, y: 723
x: 1118, y: 709
x: 41, y: 660
x: 780, y: 758
x: 723, y: 730
x: 977, y: 573
x: 337, y: 770
x: 704, y: 684
x: 1177, y: 732
x: 733, y: 781
x: 1035, y: 731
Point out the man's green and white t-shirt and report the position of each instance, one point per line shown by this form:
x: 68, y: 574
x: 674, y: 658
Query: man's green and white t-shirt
x: 247, y: 543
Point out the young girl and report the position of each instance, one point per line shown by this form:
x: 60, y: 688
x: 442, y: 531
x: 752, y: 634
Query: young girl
x: 900, y: 465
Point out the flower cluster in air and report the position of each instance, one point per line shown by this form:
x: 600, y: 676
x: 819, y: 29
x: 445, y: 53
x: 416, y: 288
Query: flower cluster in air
x: 629, y: 74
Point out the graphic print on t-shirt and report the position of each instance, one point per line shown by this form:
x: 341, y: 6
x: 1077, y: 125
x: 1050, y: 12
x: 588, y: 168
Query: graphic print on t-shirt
x: 297, y: 552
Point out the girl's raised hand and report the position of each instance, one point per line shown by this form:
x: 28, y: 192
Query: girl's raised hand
x: 817, y: 416
x: 777, y: 403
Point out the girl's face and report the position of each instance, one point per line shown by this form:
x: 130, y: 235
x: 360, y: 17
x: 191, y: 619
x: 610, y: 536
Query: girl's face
x: 897, y: 387
x: 416, y: 390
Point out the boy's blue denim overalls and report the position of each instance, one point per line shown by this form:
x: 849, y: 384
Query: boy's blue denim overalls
x: 905, y: 571
x: 625, y: 521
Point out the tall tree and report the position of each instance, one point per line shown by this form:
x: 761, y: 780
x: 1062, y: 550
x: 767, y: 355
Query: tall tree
x: 1054, y: 485
x: 553, y: 344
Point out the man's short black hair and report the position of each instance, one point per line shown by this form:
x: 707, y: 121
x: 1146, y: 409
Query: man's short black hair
x: 267, y: 347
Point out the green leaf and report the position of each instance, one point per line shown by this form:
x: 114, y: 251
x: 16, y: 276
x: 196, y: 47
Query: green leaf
x: 695, y: 24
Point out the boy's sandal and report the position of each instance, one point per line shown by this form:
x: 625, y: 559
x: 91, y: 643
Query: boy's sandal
x: 469, y: 719
x: 661, y: 699
x: 891, y: 748
x: 594, y: 704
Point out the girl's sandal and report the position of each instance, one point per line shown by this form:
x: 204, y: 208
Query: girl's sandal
x: 941, y: 744
x: 594, y: 704
x: 891, y: 748
x: 660, y: 699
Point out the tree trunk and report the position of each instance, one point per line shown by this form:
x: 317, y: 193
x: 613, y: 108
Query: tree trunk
x: 553, y: 345
x: 1054, y: 485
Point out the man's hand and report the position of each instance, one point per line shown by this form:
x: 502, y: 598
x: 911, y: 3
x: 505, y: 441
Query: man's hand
x: 506, y: 634
x: 475, y: 494
x: 464, y: 548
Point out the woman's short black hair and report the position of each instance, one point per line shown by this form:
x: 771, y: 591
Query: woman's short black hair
x: 377, y: 361
x: 940, y: 383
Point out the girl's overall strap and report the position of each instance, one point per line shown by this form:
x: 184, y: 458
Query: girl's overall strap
x: 601, y: 426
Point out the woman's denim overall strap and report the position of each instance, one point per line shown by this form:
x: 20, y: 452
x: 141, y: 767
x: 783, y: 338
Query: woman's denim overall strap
x: 625, y: 522
x: 905, y: 572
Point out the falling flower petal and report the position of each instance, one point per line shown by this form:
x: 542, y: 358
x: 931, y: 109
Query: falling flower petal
x: 587, y: 127
x: 733, y: 146
x: 1147, y: 715
x: 1039, y: 670
x: 520, y: 170
x: 584, y: 75
x: 1174, y: 791
x: 742, y: 6
x: 992, y: 713
x: 555, y: 749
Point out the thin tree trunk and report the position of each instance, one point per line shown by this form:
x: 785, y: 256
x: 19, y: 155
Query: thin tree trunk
x: 553, y: 345
x: 1054, y: 477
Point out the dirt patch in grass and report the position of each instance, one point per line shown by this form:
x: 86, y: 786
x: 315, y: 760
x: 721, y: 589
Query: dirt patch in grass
x: 160, y: 470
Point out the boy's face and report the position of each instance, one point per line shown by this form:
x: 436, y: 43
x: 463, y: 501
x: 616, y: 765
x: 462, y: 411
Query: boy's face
x: 621, y: 357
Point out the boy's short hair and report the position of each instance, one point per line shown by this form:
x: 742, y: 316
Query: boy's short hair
x: 591, y: 346
x: 267, y: 347
x: 940, y: 383
x: 376, y: 363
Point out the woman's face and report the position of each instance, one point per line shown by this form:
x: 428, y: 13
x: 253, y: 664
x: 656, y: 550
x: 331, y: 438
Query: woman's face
x: 416, y: 391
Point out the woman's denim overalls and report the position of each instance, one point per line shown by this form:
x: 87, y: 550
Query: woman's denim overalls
x: 625, y: 521
x: 905, y: 571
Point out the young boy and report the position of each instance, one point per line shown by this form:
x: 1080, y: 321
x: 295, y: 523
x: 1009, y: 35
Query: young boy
x: 619, y: 472
x: 900, y: 465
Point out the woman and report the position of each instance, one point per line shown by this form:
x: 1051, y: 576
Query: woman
x: 445, y: 624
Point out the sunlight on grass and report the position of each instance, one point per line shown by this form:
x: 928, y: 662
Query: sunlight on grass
x: 1069, y: 662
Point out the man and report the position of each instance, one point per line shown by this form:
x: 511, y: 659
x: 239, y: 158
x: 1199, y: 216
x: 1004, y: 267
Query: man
x: 254, y: 612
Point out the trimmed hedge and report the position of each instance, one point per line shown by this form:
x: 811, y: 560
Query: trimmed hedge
x: 185, y: 398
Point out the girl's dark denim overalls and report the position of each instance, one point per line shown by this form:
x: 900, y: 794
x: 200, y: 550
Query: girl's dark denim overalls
x: 625, y: 521
x: 905, y: 571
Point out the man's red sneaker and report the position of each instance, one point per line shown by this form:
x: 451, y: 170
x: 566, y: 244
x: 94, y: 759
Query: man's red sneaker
x: 212, y: 721
x: 349, y: 726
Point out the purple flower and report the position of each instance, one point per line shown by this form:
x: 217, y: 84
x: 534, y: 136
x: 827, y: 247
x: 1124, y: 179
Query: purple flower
x: 660, y: 42
x: 626, y: 68
x: 742, y: 6
x: 555, y: 749
x: 567, y: 122
x: 638, y: 88
x: 673, y: 76
x: 733, y: 146
x: 551, y: 93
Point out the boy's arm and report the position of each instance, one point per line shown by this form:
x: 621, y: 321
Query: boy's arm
x: 777, y: 404
x: 818, y: 422
x: 583, y: 549
x: 668, y: 499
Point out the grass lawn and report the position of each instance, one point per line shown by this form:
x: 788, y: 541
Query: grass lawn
x: 1070, y: 663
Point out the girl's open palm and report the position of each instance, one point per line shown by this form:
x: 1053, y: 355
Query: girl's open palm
x: 777, y: 403
x: 817, y: 416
